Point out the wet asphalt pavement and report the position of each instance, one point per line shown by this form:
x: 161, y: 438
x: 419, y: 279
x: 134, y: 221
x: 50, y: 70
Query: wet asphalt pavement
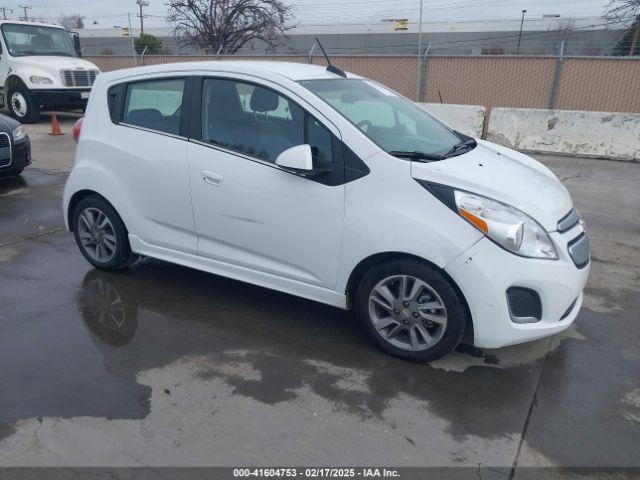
x: 163, y: 365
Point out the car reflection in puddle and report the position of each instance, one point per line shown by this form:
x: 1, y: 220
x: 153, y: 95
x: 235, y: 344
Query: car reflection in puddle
x: 105, y: 312
x: 158, y: 314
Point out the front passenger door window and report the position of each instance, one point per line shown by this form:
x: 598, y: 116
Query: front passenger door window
x: 250, y: 119
x: 321, y: 144
x: 259, y: 122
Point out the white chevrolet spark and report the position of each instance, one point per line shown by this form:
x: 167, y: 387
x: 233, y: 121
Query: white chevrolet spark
x: 331, y: 187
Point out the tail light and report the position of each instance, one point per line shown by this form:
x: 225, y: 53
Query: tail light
x: 76, y: 129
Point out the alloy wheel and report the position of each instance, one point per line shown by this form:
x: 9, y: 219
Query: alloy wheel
x: 407, y: 312
x: 97, y: 235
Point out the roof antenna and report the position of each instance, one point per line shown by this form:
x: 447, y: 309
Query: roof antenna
x: 330, y: 68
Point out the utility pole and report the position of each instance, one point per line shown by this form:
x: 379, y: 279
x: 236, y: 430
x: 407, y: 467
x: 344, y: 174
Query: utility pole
x: 25, y: 8
x: 4, y: 11
x: 142, y: 3
x: 133, y: 45
x: 520, y: 35
x: 420, y: 52
x: 635, y: 40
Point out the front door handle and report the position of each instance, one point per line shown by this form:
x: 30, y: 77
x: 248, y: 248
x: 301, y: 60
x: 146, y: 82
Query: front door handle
x: 212, y: 178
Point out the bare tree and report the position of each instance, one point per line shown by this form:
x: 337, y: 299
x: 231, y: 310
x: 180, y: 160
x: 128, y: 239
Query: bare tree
x: 228, y: 25
x: 626, y: 11
x: 71, y: 22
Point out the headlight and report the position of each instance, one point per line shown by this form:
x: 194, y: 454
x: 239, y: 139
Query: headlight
x: 512, y: 229
x: 18, y: 133
x: 40, y: 80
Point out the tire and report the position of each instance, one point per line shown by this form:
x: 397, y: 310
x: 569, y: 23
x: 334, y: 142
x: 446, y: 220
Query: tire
x: 397, y: 326
x: 20, y: 103
x: 101, y: 235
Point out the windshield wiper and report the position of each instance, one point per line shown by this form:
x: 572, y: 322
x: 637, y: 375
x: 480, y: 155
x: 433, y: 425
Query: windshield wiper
x: 416, y: 155
x: 462, y: 147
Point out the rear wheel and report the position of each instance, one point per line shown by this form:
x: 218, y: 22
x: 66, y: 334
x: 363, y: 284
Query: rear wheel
x: 410, y: 310
x: 101, y: 234
x: 21, y: 105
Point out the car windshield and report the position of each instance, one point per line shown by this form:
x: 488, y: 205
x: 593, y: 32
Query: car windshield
x: 23, y: 40
x: 392, y: 121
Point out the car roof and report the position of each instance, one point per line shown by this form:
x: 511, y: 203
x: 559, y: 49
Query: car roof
x: 291, y: 70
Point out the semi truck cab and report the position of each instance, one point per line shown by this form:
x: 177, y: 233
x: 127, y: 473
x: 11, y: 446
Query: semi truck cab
x: 41, y: 69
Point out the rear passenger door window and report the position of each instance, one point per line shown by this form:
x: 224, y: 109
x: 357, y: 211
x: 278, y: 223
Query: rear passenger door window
x: 259, y: 122
x: 155, y: 104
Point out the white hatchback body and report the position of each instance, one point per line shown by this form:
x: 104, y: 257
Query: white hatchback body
x: 186, y: 195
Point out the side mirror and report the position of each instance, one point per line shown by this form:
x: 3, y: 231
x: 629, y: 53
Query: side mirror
x: 76, y: 44
x: 296, y: 158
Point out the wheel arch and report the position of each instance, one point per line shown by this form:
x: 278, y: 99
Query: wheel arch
x: 383, y: 257
x: 13, y: 79
x: 80, y: 195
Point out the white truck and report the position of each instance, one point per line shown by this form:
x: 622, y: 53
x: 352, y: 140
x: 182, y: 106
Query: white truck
x: 41, y: 69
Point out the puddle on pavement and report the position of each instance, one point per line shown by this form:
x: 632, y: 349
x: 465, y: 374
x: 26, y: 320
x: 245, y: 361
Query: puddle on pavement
x: 159, y: 313
x: 83, y: 349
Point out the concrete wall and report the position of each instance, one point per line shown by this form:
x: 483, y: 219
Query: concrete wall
x: 468, y: 119
x: 589, y: 134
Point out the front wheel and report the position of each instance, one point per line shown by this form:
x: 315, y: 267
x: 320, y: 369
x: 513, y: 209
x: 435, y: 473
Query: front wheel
x: 410, y: 310
x: 21, y: 104
x: 101, y: 235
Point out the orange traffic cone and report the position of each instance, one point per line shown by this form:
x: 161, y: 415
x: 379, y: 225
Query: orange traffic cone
x: 55, y: 125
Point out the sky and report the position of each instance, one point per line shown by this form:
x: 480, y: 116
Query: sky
x: 108, y: 13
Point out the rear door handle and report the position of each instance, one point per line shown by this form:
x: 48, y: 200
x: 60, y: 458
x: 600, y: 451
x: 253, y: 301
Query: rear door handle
x: 212, y: 178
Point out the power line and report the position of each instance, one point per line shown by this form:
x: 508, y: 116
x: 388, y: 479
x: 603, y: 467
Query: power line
x: 25, y: 8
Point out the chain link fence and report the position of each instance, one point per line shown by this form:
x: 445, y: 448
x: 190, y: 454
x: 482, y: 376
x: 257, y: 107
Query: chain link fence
x: 610, y: 84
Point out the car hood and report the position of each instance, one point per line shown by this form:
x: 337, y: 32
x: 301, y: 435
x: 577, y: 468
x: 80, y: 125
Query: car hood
x: 53, y: 63
x: 504, y: 175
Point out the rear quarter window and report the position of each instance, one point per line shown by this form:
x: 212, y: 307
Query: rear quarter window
x: 115, y: 95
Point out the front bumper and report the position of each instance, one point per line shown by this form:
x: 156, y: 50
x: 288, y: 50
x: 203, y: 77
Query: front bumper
x: 61, y: 98
x: 20, y: 156
x: 485, y: 272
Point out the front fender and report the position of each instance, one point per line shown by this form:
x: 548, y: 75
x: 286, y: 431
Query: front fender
x: 23, y: 74
x: 405, y: 218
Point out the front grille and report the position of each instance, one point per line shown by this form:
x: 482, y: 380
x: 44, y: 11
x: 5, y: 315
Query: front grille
x: 569, y: 221
x: 5, y: 150
x: 79, y: 78
x: 579, y: 250
x: 524, y: 305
